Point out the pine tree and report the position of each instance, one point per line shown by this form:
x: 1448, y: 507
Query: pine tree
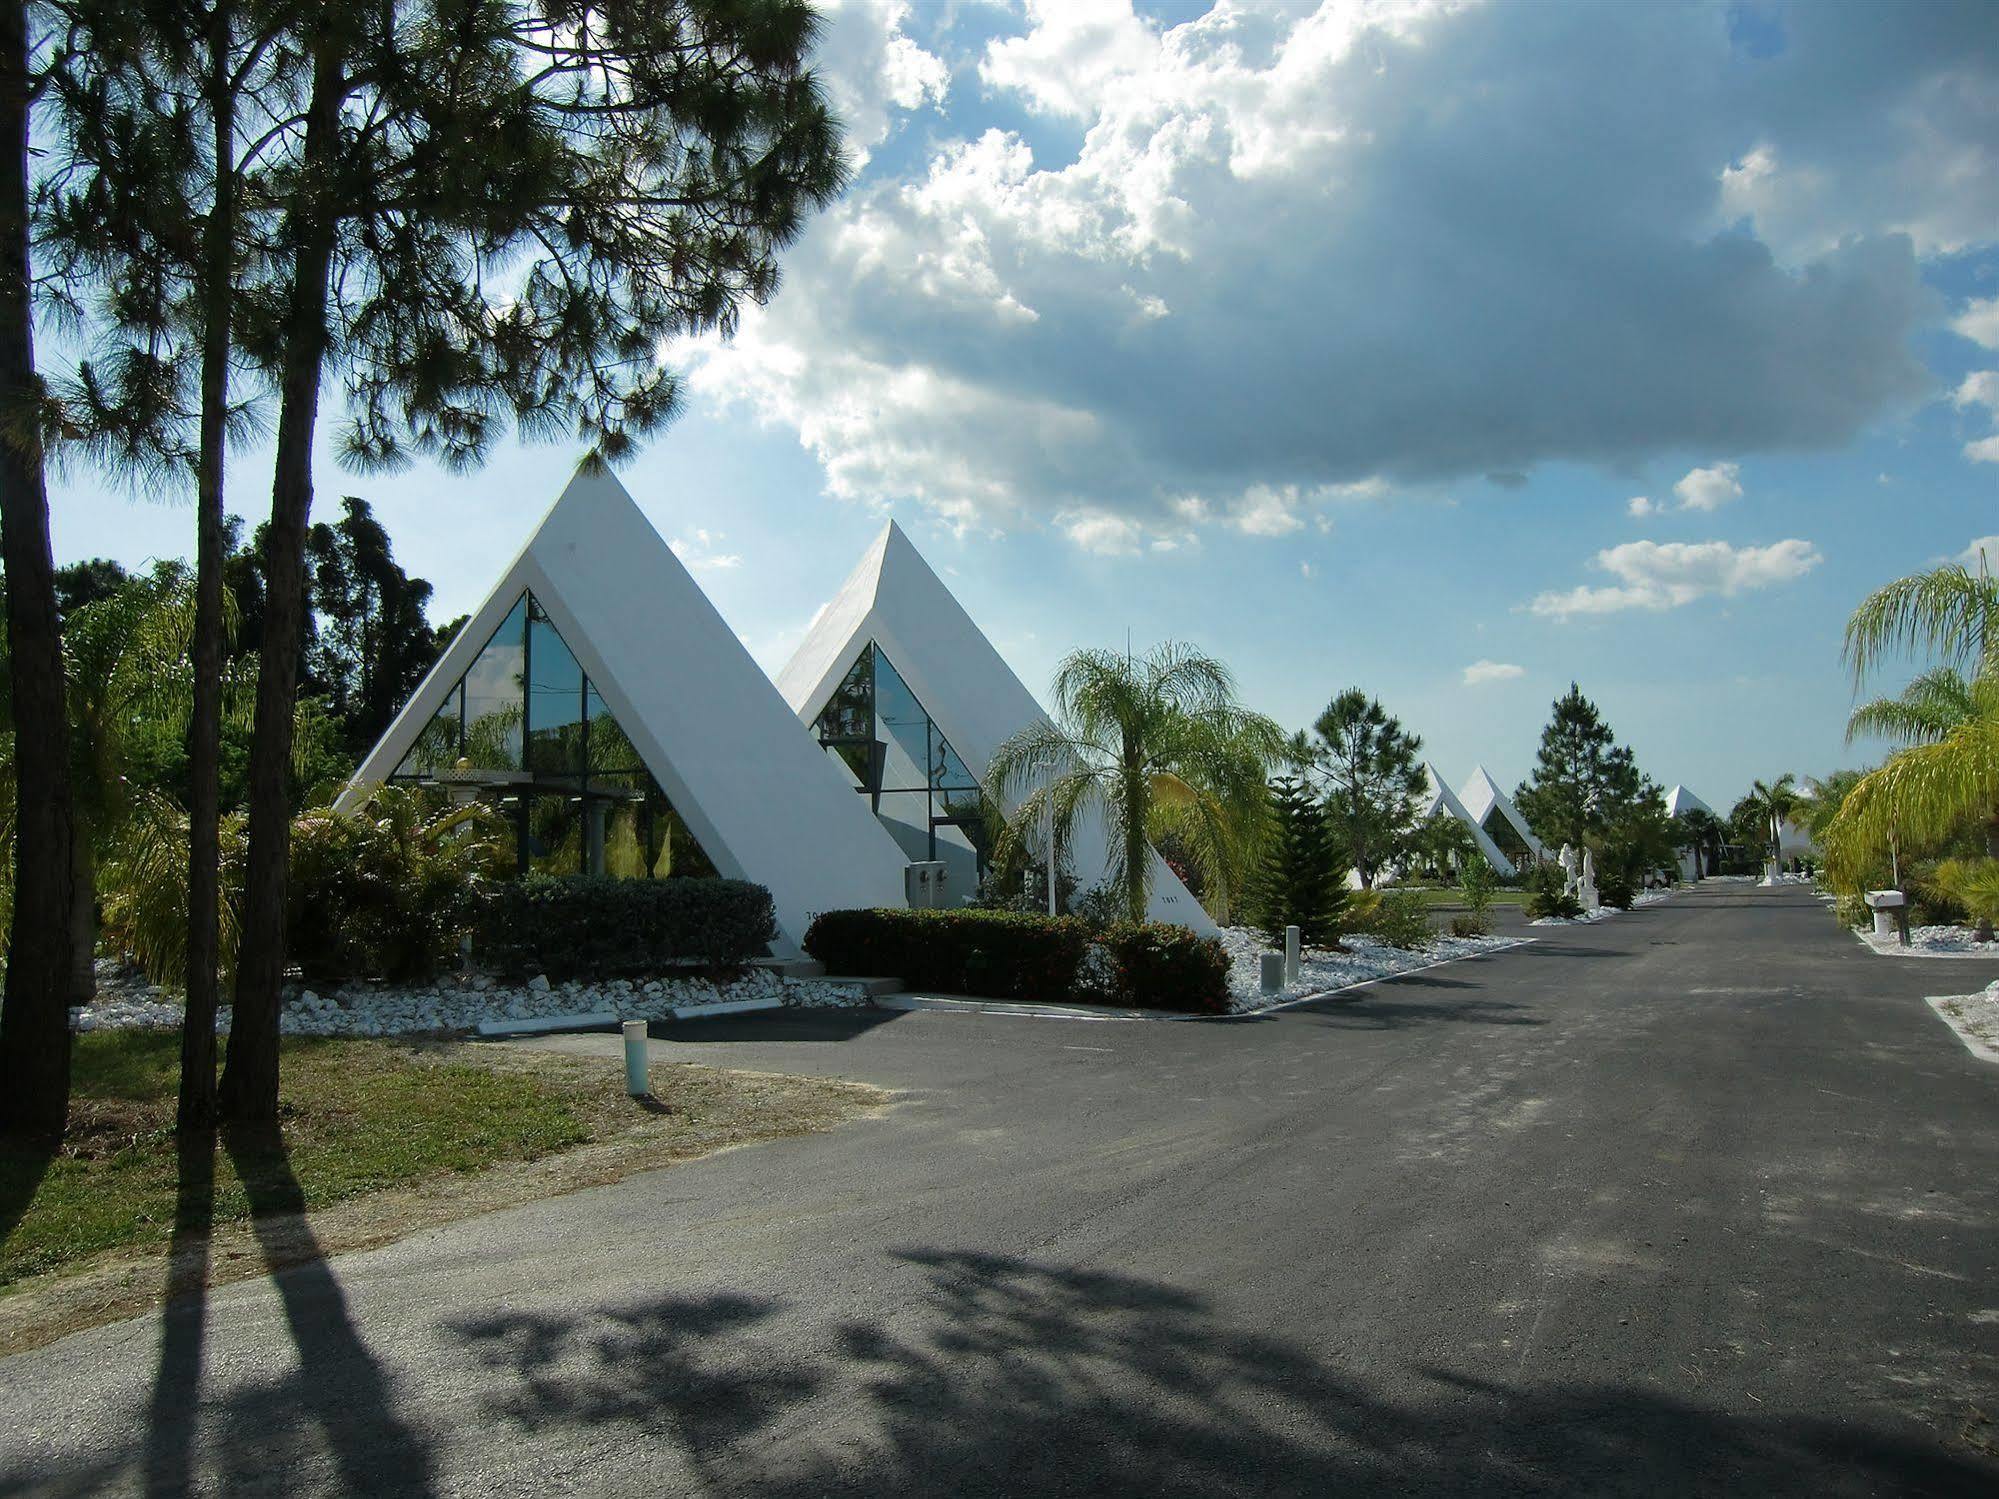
x: 1584, y: 781
x: 1299, y: 883
x: 1367, y: 763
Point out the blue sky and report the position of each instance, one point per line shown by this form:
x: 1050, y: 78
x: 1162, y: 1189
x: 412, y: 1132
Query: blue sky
x: 1448, y: 350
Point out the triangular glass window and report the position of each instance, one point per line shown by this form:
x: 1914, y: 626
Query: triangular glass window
x: 919, y: 786
x: 526, y: 728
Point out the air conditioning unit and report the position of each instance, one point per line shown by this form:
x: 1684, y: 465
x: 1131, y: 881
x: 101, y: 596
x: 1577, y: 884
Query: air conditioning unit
x: 924, y: 886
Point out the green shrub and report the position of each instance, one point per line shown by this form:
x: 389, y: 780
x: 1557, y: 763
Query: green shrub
x: 1549, y: 897
x: 991, y: 954
x: 1852, y: 910
x: 1160, y: 966
x: 597, y: 927
x: 387, y: 890
x: 1401, y: 918
x: 1476, y: 881
x: 1471, y: 926
x: 1009, y: 955
x: 1616, y: 891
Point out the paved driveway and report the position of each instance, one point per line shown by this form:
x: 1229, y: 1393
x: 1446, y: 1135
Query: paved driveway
x: 1699, y: 1200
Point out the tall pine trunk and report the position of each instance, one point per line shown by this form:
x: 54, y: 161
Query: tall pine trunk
x: 34, y: 1019
x: 204, y: 737
x: 250, y: 1078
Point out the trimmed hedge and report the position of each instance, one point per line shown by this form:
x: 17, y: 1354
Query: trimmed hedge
x: 990, y: 954
x: 1013, y: 955
x: 1160, y: 966
x: 597, y: 927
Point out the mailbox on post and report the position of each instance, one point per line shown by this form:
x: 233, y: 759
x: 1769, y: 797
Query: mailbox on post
x: 1891, y: 913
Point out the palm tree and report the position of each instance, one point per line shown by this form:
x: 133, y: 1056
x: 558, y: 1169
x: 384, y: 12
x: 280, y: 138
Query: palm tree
x: 1925, y: 711
x: 1949, y: 611
x: 1774, y: 801
x: 1925, y: 794
x: 1156, y: 745
x: 1700, y: 831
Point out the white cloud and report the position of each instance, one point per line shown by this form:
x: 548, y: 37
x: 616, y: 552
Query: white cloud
x: 1305, y: 570
x: 1245, y: 258
x: 701, y: 555
x: 1482, y: 671
x: 1108, y: 535
x: 1982, y: 552
x: 1978, y: 389
x: 1985, y: 450
x: 1641, y: 506
x: 1666, y: 575
x: 1979, y: 322
x: 1710, y: 488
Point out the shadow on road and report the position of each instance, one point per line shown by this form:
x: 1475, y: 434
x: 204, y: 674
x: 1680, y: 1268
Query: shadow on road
x: 842, y: 1024
x: 176, y: 1395
x: 1002, y: 1376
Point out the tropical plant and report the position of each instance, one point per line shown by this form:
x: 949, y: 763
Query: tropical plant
x: 145, y: 885
x: 1925, y: 711
x: 1549, y: 894
x: 1299, y: 883
x: 1153, y: 744
x: 1700, y: 833
x: 1949, y: 611
x: 388, y: 889
x: 1400, y: 918
x: 1439, y: 844
x: 1367, y: 765
x: 1772, y: 802
x: 1973, y: 884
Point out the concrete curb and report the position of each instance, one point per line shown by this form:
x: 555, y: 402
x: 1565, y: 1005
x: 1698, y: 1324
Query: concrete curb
x: 1972, y: 1044
x: 1025, y: 1009
x: 593, y: 1020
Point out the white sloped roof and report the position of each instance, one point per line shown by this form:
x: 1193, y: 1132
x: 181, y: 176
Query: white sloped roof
x: 1442, y: 799
x: 756, y: 791
x: 1680, y: 801
x: 894, y: 599
x: 1481, y: 794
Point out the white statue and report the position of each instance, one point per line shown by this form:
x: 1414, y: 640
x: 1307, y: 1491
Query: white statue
x: 1568, y: 863
x: 1586, y: 884
x: 1589, y: 868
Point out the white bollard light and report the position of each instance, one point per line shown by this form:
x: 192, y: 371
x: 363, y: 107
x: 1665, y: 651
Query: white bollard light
x: 1273, y: 972
x: 636, y: 1082
x: 1293, y: 954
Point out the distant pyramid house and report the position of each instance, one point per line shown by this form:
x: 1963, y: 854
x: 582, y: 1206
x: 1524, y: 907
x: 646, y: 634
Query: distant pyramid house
x: 1679, y: 802
x: 602, y: 703
x: 1440, y: 799
x: 1500, y: 819
x: 903, y: 690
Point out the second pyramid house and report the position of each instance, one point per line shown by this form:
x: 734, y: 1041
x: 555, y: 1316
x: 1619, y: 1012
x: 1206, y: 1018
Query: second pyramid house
x: 897, y: 683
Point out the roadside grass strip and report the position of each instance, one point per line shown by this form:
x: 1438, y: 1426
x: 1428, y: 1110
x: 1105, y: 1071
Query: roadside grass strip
x: 378, y: 1139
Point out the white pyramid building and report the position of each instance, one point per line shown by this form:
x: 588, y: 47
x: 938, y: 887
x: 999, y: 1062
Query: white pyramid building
x: 1481, y: 795
x: 1680, y: 801
x: 1441, y: 799
x: 894, y: 677
x: 598, y: 697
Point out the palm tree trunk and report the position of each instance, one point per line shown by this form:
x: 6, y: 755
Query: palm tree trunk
x: 34, y: 1019
x: 1137, y: 852
x: 249, y: 1088
x: 204, y: 740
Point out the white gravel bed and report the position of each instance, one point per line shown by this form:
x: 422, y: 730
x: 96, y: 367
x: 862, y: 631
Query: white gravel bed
x: 1975, y: 1018
x: 1320, y: 969
x: 1604, y: 913
x: 1930, y: 942
x: 457, y: 1003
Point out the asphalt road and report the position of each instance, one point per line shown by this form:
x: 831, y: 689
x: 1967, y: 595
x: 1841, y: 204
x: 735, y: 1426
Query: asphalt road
x: 1699, y: 1200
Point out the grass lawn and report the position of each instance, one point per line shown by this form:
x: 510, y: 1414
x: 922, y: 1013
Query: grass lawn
x: 1449, y: 895
x: 360, y: 1118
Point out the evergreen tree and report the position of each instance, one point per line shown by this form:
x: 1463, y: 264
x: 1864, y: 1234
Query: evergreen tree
x: 368, y: 643
x: 1583, y: 780
x: 1367, y: 763
x: 1300, y: 881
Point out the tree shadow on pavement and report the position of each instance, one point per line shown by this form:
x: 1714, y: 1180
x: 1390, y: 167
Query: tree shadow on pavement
x: 176, y: 1395
x: 833, y: 1023
x: 340, y: 1389
x: 1002, y: 1376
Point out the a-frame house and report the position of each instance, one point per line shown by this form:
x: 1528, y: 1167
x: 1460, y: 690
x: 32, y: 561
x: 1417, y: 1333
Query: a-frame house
x: 599, y: 699
x: 905, y: 693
